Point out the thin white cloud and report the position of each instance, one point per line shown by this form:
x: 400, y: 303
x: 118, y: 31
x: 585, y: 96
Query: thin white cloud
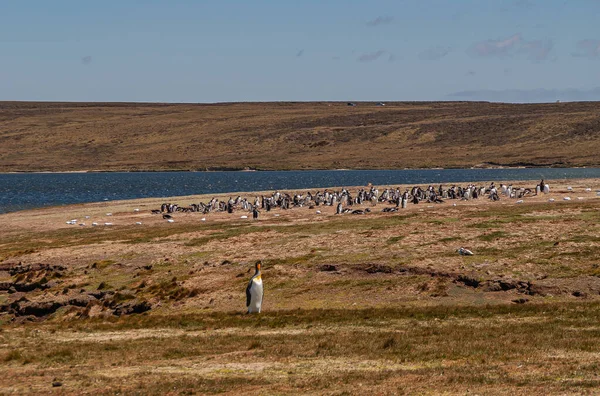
x: 588, y: 48
x: 371, y: 56
x: 380, y: 20
x: 496, y: 47
x: 535, y: 50
x: 434, y: 53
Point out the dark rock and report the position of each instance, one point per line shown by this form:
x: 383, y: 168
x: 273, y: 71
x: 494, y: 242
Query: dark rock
x: 38, y: 309
x: 82, y: 300
x: 97, y: 294
x: 133, y: 307
x: 56, y: 384
x: 578, y: 293
x: 492, y: 286
x: 507, y: 284
x: 28, y: 287
x: 24, y: 319
x: 21, y: 269
x: 5, y: 286
x: 327, y: 268
x: 468, y: 281
x: 18, y: 297
x: 378, y: 268
x: 520, y: 300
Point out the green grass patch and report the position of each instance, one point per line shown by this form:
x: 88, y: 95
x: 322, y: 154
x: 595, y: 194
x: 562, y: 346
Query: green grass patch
x: 492, y: 236
x: 395, y: 239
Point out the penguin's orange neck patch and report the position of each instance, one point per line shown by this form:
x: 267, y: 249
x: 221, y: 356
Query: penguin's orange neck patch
x: 257, y: 277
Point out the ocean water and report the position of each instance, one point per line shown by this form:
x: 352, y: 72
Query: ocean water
x: 19, y: 191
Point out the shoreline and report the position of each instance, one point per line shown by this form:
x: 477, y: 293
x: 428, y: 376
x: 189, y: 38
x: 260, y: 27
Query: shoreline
x: 204, y: 196
x: 216, y: 170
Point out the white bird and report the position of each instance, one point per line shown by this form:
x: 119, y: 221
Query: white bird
x: 588, y: 189
x: 254, y: 291
x: 570, y: 188
x: 243, y: 217
x: 109, y: 214
x: 551, y: 200
x: 136, y: 210
x: 94, y: 224
x: 203, y: 219
x: 520, y: 201
x: 108, y: 224
x: 138, y: 222
x: 567, y: 198
x: 318, y: 212
x: 464, y: 252
x: 171, y: 221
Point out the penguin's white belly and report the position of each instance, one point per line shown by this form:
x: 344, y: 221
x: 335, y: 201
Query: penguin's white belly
x: 256, y: 296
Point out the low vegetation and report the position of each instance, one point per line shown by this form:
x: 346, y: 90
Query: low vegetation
x: 378, y: 303
x: 317, y: 135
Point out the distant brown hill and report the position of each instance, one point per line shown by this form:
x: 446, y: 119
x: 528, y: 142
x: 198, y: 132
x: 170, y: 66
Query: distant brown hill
x: 316, y: 135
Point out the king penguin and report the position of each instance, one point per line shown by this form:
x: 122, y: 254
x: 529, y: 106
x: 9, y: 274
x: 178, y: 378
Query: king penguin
x: 254, y: 291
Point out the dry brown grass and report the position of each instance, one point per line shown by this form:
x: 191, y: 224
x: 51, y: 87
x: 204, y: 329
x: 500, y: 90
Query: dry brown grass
x: 122, y: 136
x: 379, y: 303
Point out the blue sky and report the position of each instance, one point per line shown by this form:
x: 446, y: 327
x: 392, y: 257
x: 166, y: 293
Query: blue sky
x: 222, y: 51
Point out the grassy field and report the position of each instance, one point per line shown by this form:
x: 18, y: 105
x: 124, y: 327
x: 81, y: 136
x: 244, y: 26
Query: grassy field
x: 317, y: 135
x: 377, y: 303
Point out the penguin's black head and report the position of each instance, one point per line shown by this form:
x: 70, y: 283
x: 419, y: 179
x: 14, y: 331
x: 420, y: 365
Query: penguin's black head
x: 257, y: 265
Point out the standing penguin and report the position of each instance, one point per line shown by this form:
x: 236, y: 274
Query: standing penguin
x: 404, y: 199
x: 254, y: 291
x: 255, y: 212
x: 339, y: 208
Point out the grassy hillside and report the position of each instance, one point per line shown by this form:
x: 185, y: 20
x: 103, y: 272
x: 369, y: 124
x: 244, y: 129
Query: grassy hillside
x: 379, y: 303
x: 128, y: 136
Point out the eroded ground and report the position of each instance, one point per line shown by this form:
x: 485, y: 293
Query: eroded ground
x: 376, y: 303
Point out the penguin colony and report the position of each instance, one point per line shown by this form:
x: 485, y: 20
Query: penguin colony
x: 344, y: 202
